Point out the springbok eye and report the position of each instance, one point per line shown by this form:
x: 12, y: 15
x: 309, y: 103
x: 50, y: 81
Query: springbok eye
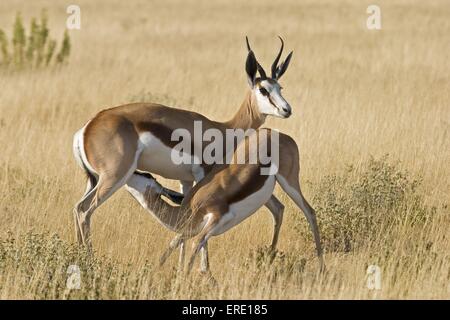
x: 263, y: 91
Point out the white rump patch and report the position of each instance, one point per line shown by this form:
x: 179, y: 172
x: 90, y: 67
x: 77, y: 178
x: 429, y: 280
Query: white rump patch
x: 79, y: 152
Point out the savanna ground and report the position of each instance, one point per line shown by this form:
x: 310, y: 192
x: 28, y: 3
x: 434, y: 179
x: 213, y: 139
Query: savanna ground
x: 355, y: 93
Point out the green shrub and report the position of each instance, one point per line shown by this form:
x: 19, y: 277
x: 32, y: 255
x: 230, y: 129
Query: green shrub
x: 65, y: 49
x: 19, y: 41
x: 35, y: 49
x: 38, y: 263
x: 4, y: 48
x: 274, y: 264
x: 353, y: 206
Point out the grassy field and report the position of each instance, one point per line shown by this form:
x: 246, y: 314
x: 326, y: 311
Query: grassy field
x: 355, y: 94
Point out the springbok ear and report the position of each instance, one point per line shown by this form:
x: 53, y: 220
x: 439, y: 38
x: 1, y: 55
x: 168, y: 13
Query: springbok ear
x: 283, y: 67
x: 251, y: 67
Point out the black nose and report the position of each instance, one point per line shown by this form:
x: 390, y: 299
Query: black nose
x: 287, y: 111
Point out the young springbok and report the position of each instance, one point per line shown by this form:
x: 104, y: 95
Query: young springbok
x: 118, y: 141
x: 229, y: 194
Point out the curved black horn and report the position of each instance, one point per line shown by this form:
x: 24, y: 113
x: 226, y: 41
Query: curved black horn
x: 260, y: 68
x: 248, y: 44
x: 277, y: 59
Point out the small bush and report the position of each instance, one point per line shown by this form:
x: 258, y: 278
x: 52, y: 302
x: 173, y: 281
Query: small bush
x: 274, y: 264
x: 35, y: 49
x: 38, y: 263
x: 353, y: 206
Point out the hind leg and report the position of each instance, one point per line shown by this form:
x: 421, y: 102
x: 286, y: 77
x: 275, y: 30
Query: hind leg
x: 292, y: 188
x: 203, y: 237
x: 107, y: 185
x: 276, y: 209
x: 204, y: 259
x: 86, y: 198
x: 178, y: 241
x: 113, y: 170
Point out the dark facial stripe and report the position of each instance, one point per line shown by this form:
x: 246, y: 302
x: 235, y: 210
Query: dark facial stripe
x: 267, y: 94
x: 271, y: 101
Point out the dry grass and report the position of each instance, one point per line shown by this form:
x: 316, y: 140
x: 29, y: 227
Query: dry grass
x: 354, y: 93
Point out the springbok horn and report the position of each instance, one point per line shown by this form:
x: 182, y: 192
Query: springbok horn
x: 260, y: 68
x: 277, y: 59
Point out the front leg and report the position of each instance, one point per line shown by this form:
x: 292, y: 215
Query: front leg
x: 175, y: 243
x: 204, y: 265
x: 204, y: 259
x: 276, y: 209
x: 181, y: 257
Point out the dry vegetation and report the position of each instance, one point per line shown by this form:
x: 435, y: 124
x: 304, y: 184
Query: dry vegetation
x: 355, y: 94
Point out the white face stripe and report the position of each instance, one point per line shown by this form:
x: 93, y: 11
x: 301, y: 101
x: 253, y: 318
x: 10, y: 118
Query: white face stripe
x: 274, y: 104
x: 270, y: 86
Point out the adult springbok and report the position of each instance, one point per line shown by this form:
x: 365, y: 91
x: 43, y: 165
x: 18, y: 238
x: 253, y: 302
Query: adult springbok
x: 120, y: 140
x: 228, y: 194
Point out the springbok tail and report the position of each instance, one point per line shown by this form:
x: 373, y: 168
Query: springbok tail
x: 78, y: 152
x: 174, y: 196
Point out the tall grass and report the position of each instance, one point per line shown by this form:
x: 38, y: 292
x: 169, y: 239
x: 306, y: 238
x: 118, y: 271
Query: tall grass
x: 356, y: 204
x: 355, y: 93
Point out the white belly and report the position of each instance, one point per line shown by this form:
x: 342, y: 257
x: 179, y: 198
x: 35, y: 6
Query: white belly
x: 156, y: 158
x: 243, y: 209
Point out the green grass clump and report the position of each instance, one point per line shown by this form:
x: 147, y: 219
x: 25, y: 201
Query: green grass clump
x: 354, y: 206
x: 34, y: 49
x: 39, y: 262
x: 274, y: 264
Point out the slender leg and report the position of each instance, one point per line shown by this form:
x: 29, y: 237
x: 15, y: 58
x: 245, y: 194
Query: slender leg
x: 203, y: 237
x: 294, y: 192
x: 105, y: 188
x: 80, y: 212
x: 185, y: 187
x: 204, y: 259
x: 276, y: 209
x: 88, y: 194
x: 311, y: 217
x: 177, y: 241
x: 77, y: 227
x: 204, y: 265
x: 182, y: 256
x: 200, y: 243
